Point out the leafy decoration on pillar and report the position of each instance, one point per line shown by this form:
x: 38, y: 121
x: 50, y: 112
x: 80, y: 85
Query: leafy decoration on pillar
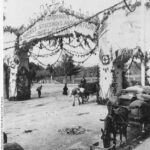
x: 125, y: 83
x: 23, y: 86
x: 114, y: 85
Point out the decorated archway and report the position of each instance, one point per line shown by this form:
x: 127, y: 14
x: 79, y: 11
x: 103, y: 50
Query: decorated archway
x: 56, y: 31
x: 64, y: 30
x: 121, y: 45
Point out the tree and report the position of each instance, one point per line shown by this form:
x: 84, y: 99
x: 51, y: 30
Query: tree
x: 50, y: 70
x: 58, y: 70
x: 69, y: 68
x: 90, y: 71
x: 34, y: 71
x: 74, y: 70
x: 41, y: 74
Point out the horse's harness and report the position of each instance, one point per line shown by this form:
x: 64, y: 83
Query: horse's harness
x: 123, y: 121
x: 114, y: 121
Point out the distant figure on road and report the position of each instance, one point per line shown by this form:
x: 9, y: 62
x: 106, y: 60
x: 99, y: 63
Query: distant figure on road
x: 5, y: 137
x: 39, y: 90
x: 83, y: 82
x: 65, y: 89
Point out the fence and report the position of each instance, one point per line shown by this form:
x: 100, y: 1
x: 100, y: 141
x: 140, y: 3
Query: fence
x: 75, y: 80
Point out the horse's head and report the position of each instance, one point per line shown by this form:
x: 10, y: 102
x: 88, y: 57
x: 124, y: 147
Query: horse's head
x: 106, y: 138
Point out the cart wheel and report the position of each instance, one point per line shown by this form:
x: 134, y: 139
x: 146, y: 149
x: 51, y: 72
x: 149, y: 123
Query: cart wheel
x: 86, y: 98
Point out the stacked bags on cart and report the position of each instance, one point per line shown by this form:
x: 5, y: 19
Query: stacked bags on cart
x: 140, y: 108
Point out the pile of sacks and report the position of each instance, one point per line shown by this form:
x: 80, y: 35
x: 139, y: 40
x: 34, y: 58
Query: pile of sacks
x: 140, y: 108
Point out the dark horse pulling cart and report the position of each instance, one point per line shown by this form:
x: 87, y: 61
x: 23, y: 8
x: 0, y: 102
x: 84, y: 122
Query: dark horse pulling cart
x: 91, y: 88
x: 132, y: 107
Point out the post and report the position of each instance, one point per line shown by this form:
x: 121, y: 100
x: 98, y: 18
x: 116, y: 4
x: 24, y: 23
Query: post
x: 143, y: 42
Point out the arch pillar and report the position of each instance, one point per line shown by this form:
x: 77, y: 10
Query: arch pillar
x: 111, y: 78
x: 12, y: 77
x: 111, y: 72
x: 19, y: 77
x: 23, y: 83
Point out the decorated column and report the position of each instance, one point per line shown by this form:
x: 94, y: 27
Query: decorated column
x: 17, y: 62
x: 148, y: 69
x: 147, y: 42
x: 148, y: 75
x: 23, y: 75
x: 11, y: 60
x: 117, y: 79
x: 120, y: 41
x: 105, y: 74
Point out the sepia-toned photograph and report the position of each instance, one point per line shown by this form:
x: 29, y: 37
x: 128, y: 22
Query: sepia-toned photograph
x: 76, y: 75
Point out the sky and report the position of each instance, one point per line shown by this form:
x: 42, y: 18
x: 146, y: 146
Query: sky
x: 19, y: 12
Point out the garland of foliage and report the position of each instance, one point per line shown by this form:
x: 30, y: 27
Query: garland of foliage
x: 94, y: 18
x: 75, y: 24
x: 81, y: 62
x: 34, y: 56
x: 59, y: 41
x: 107, y: 12
x: 10, y: 29
x: 23, y: 73
x: 23, y: 89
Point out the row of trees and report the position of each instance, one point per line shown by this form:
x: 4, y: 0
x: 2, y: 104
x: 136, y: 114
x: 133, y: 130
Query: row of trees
x: 65, y: 68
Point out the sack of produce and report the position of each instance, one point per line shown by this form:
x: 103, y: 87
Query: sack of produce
x: 136, y: 89
x: 146, y: 89
x: 143, y: 97
x: 140, y: 109
x: 137, y: 104
x: 135, y: 113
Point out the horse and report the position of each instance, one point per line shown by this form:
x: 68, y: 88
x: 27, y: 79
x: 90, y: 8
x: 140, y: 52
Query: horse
x: 106, y: 132
x: 115, y: 121
x: 77, y: 93
x: 120, y: 116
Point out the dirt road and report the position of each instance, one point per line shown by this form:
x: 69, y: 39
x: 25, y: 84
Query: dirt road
x: 35, y: 123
